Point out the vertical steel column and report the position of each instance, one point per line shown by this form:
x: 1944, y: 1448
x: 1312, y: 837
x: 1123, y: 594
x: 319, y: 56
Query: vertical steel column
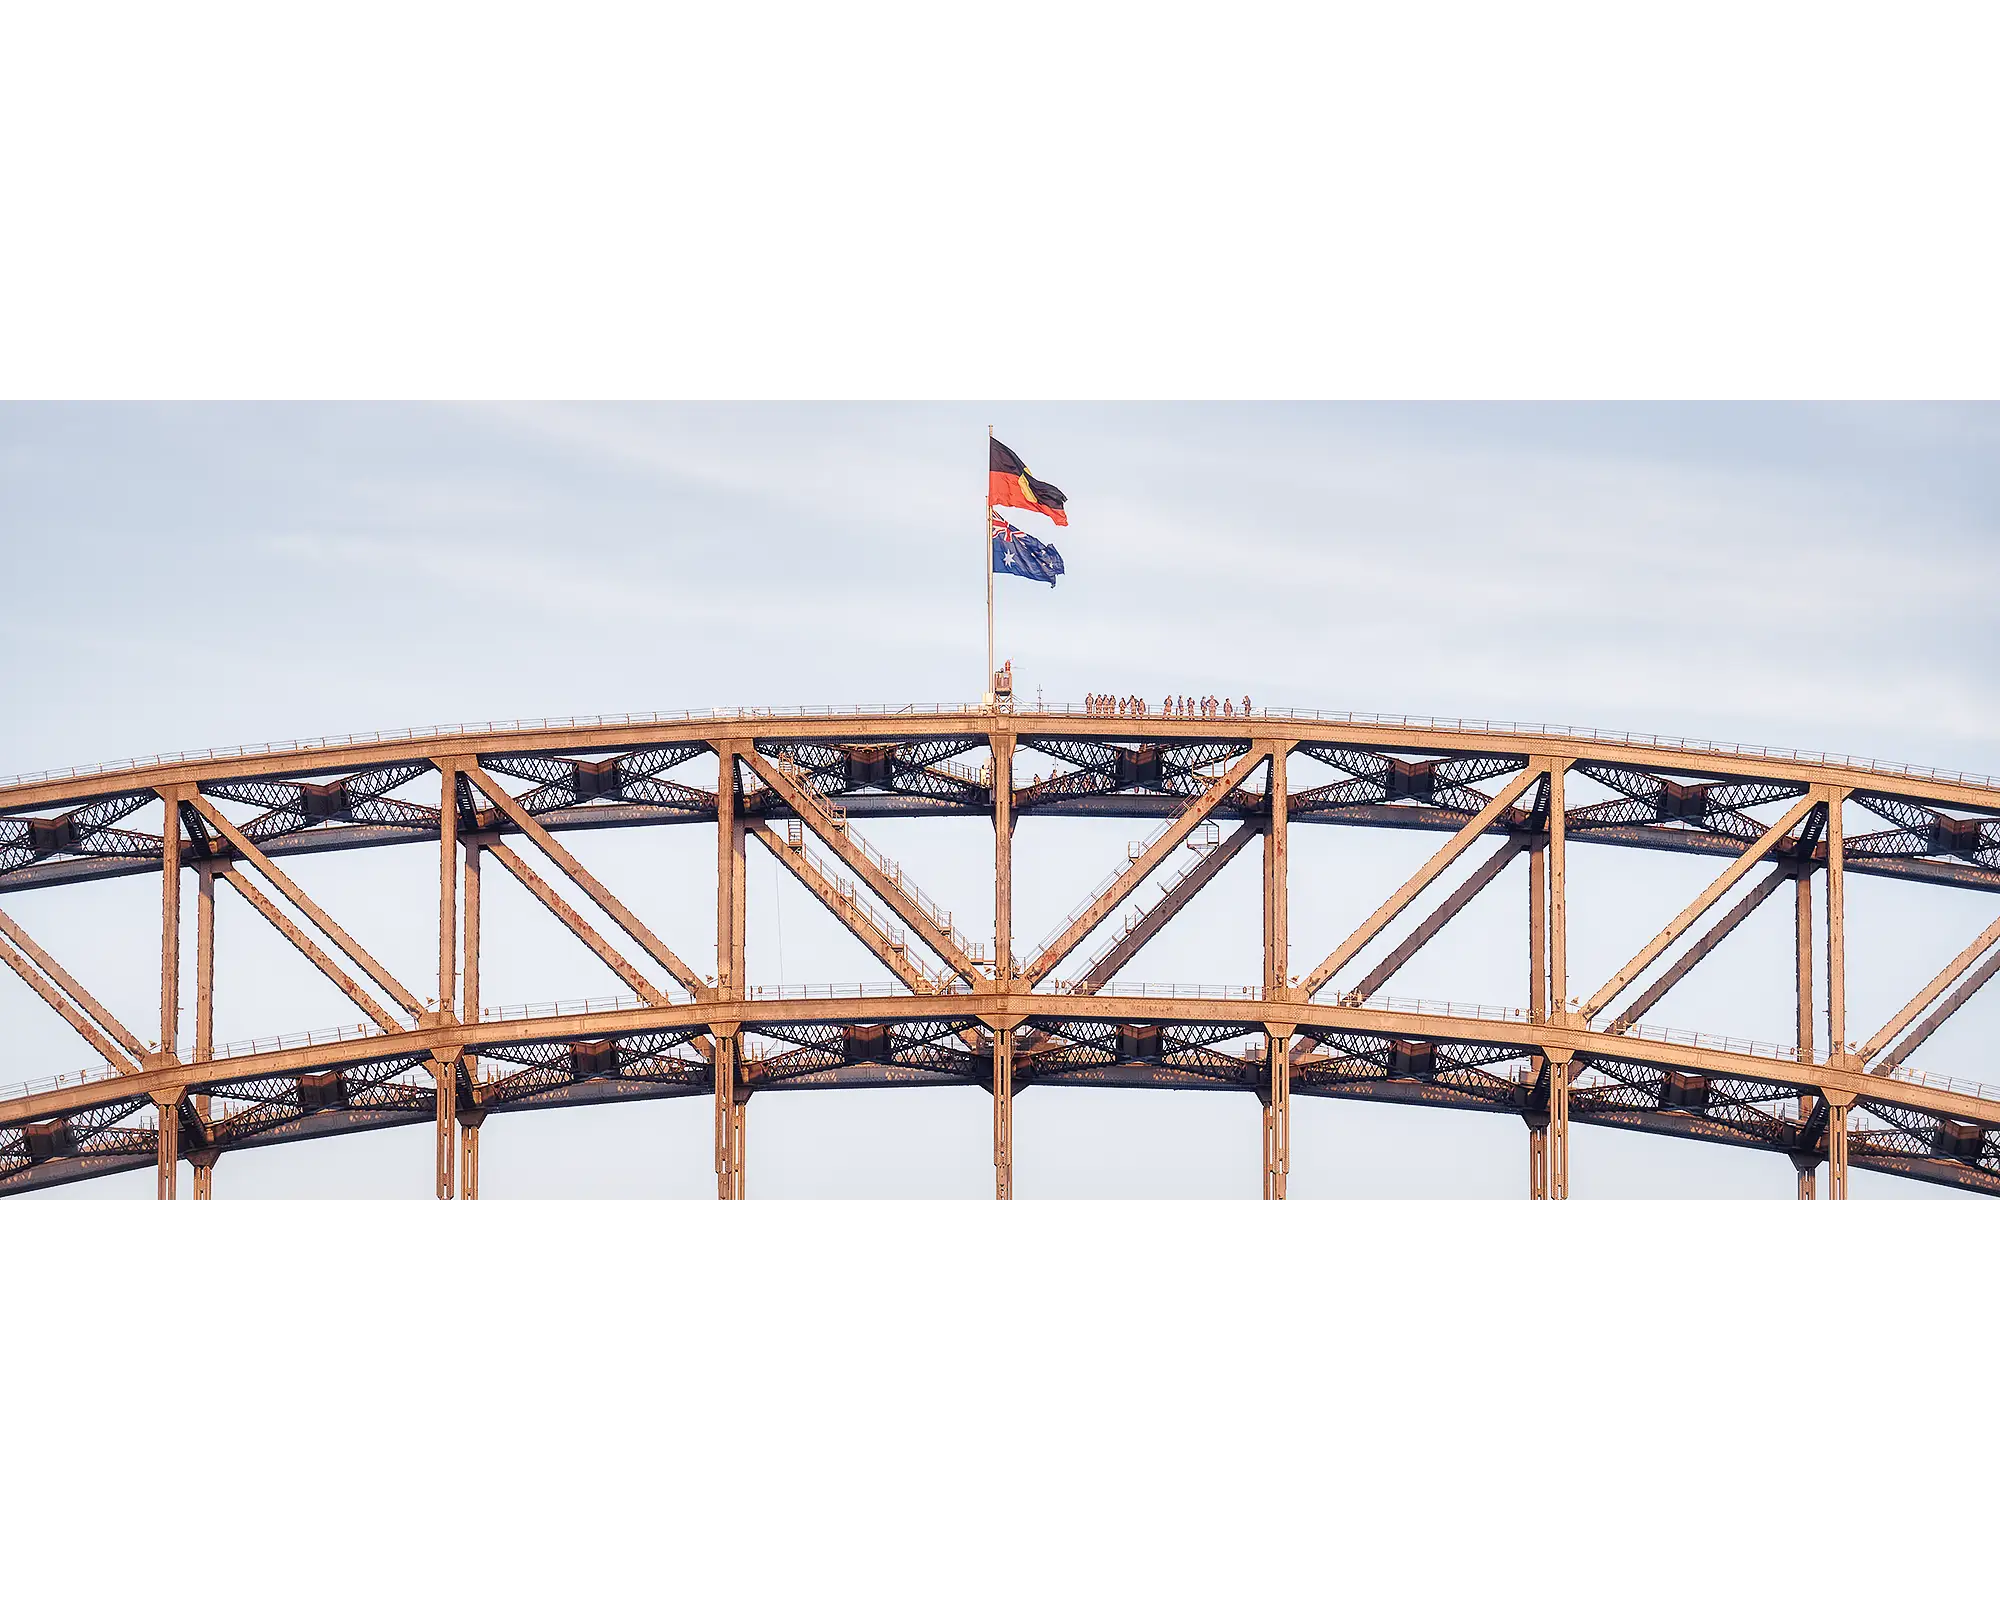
x: 473, y: 855
x: 1538, y: 933
x: 1558, y: 1134
x: 204, y: 964
x: 1277, y: 899
x: 170, y: 925
x: 1277, y: 1099
x: 729, y: 925
x: 444, y: 1068
x: 1277, y: 1092
x: 204, y: 1014
x: 728, y: 1131
x: 1836, y: 929
x: 726, y: 879
x: 169, y: 1144
x: 1836, y: 991
x: 468, y: 1141
x: 447, y: 992
x: 1555, y: 1156
x: 444, y: 1074
x: 739, y: 1095
x: 1558, y: 899
x: 1003, y: 1109
x: 739, y: 906
x: 1538, y: 1004
x: 1803, y: 966
x: 1002, y: 748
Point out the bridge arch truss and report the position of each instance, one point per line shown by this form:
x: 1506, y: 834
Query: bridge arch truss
x: 990, y: 1012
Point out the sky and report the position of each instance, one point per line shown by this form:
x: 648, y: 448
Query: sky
x: 183, y: 576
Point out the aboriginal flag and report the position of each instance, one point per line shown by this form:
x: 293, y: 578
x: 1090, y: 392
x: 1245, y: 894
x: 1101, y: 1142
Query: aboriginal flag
x: 1013, y: 485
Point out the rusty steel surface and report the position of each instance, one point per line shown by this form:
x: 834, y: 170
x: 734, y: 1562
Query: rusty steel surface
x: 958, y: 1011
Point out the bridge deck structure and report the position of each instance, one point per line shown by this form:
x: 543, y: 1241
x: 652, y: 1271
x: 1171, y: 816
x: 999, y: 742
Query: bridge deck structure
x: 963, y: 1002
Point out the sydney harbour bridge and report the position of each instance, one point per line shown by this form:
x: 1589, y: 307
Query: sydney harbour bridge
x: 990, y: 1013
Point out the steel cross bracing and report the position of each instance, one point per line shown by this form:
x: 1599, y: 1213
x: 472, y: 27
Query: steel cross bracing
x: 966, y: 1011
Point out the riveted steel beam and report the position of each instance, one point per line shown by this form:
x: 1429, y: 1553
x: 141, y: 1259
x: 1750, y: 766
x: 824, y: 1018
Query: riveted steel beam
x: 584, y: 879
x: 297, y: 938
x: 1699, y: 951
x: 1426, y: 875
x: 879, y: 938
x: 889, y: 887
x: 1686, y: 917
x: 586, y: 935
x: 1195, y: 812
x: 276, y: 877
x: 48, y: 978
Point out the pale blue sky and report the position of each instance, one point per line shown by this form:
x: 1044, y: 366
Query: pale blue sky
x: 1820, y: 576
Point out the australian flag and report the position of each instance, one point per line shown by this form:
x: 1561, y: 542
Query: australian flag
x: 1023, y: 555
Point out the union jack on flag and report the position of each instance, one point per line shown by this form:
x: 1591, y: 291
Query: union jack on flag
x: 1023, y: 555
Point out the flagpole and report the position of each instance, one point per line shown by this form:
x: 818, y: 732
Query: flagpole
x: 986, y: 548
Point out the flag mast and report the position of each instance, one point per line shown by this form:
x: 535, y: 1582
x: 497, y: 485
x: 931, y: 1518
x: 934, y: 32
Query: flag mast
x: 986, y: 560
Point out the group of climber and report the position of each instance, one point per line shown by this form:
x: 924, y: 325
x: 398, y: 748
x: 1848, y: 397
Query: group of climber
x: 1119, y: 705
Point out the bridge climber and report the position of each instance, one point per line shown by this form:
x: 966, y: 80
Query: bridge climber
x: 992, y: 1015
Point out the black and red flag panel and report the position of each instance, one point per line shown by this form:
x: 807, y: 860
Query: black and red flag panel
x: 1013, y: 485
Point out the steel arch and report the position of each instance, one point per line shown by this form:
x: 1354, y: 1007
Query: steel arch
x: 972, y: 1011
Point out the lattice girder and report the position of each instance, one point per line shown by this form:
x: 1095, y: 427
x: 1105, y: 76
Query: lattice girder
x: 1377, y: 777
x: 362, y: 796
x: 1100, y: 767
x: 1922, y: 831
x: 930, y: 1046
x: 1650, y: 797
x: 86, y: 830
x: 563, y: 782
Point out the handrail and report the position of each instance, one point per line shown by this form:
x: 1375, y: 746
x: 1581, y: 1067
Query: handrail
x: 1091, y: 895
x: 695, y: 719
x: 844, y: 889
x: 835, y: 818
x: 1587, y: 1040
x: 1135, y: 851
x: 1133, y: 918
